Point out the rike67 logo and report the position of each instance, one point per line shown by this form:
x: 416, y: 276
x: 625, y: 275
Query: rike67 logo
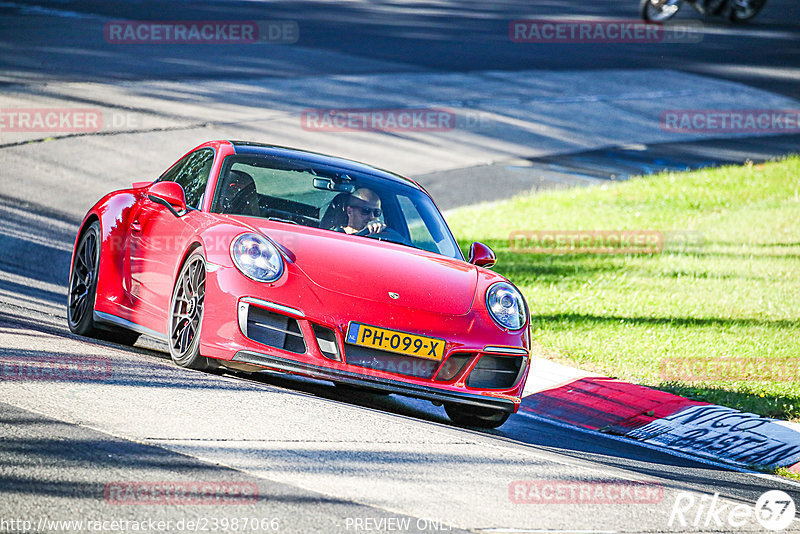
x: 774, y: 510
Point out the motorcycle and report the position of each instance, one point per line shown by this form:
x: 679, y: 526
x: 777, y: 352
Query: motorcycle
x: 733, y: 10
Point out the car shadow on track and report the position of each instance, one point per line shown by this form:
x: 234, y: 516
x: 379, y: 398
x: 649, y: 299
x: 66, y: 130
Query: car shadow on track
x: 672, y: 471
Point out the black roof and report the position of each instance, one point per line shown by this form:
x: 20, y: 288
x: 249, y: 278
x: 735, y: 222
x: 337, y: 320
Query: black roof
x: 247, y: 148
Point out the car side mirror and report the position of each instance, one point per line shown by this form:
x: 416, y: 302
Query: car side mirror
x: 481, y: 255
x: 139, y: 185
x: 169, y: 195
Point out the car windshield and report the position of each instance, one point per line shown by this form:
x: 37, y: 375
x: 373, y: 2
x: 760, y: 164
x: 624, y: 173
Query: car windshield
x: 332, y: 198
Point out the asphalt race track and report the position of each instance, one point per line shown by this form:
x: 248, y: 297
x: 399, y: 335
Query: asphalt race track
x: 312, y: 457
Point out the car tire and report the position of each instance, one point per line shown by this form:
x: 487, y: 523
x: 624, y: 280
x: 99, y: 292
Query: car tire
x: 475, y: 416
x: 83, y: 291
x: 650, y: 12
x: 738, y: 15
x: 186, y: 314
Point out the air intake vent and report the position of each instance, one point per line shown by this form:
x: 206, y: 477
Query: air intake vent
x: 274, y: 330
x: 453, y: 366
x: 495, y: 372
x: 326, y: 339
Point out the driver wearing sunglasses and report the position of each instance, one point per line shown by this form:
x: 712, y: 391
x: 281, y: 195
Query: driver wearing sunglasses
x: 363, y: 211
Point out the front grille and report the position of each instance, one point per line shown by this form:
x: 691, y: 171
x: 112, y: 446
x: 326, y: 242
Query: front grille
x: 453, y: 366
x: 495, y: 372
x: 389, y: 362
x: 274, y: 330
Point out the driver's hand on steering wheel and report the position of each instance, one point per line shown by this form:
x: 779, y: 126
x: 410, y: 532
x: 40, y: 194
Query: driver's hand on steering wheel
x: 374, y: 227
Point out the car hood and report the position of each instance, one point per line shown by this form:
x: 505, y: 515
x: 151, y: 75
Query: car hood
x: 367, y: 268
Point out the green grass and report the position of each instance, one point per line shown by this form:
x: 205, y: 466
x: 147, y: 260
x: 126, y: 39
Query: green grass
x: 735, y: 295
x: 782, y: 471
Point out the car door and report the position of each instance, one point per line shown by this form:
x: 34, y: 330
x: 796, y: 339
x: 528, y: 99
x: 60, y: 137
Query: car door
x: 158, y: 238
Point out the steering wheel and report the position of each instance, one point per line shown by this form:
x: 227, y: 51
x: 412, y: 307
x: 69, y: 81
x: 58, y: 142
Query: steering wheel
x: 387, y: 234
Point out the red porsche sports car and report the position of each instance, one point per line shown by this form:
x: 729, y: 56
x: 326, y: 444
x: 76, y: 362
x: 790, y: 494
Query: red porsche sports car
x: 261, y: 257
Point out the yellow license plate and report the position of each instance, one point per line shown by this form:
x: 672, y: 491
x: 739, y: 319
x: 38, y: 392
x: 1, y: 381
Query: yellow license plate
x: 394, y: 341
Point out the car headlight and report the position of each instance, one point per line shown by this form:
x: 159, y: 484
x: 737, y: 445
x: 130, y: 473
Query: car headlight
x: 257, y: 258
x: 506, y: 306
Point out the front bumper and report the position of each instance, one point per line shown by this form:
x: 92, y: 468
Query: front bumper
x: 384, y: 384
x: 290, y: 327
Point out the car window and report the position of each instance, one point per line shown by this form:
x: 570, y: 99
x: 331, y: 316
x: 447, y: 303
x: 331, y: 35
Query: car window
x: 192, y: 174
x: 425, y: 232
x: 318, y: 196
